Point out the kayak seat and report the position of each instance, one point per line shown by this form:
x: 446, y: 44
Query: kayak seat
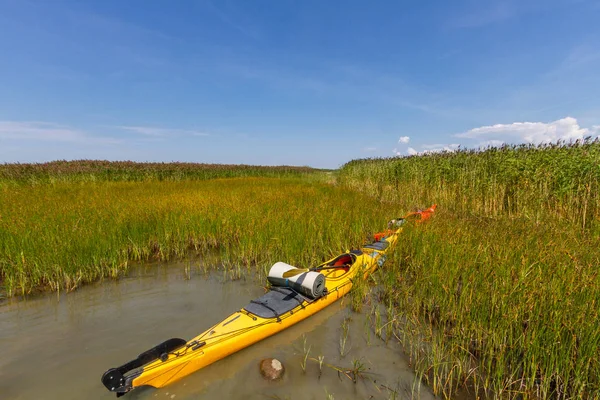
x: 276, y: 302
x: 346, y: 259
x: 380, y: 245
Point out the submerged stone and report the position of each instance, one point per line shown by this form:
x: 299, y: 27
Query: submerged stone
x: 271, y: 368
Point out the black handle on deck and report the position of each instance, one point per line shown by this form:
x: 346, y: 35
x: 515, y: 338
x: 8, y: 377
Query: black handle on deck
x: 115, y: 380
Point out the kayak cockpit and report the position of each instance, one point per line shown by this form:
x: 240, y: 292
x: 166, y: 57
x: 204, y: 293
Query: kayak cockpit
x: 344, y: 261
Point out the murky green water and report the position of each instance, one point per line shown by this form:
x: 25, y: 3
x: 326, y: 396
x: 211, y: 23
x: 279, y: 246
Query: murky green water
x: 57, y: 347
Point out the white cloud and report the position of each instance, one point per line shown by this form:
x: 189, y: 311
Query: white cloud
x: 160, y: 132
x: 565, y: 129
x: 46, y: 131
x: 432, y: 148
x: 234, y: 18
x: 484, y: 15
x: 438, y: 148
x: 529, y: 132
x: 370, y: 149
x: 491, y: 143
x: 578, y: 58
x: 404, y: 139
x: 144, y: 130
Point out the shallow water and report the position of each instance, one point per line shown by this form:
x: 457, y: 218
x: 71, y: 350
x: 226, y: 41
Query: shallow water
x: 57, y: 347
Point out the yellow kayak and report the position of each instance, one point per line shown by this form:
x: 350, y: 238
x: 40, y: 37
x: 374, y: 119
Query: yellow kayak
x: 277, y: 310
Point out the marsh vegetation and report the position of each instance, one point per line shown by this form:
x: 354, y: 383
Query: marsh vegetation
x: 60, y: 235
x: 497, y: 295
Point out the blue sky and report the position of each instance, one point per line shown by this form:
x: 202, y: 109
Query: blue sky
x: 300, y: 82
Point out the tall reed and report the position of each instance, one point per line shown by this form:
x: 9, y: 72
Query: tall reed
x: 499, y: 293
x: 525, y: 180
x: 128, y: 171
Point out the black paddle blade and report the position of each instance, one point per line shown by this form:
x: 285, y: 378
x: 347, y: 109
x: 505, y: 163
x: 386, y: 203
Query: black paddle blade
x: 115, y: 380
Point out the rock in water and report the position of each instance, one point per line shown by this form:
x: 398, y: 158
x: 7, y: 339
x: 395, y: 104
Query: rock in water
x: 271, y: 368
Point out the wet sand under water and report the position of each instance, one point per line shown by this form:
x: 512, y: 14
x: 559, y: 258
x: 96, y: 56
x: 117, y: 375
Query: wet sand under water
x: 58, y: 347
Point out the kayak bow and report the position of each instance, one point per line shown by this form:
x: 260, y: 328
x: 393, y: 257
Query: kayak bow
x: 277, y: 310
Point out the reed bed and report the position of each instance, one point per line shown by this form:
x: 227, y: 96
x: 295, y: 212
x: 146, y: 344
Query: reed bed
x: 505, y: 315
x: 498, y: 295
x: 561, y: 179
x: 62, y: 235
x: 128, y: 171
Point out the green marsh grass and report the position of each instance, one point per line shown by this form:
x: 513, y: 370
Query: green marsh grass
x: 359, y: 293
x: 320, y: 360
x: 129, y: 171
x: 344, y: 336
x: 561, y: 179
x: 498, y: 294
x: 306, y: 353
x: 59, y: 236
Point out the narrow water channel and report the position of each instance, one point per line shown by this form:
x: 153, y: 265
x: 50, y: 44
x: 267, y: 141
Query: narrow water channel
x: 57, y: 347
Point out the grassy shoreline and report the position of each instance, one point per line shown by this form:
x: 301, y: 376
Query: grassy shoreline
x: 500, y: 292
x: 62, y: 235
